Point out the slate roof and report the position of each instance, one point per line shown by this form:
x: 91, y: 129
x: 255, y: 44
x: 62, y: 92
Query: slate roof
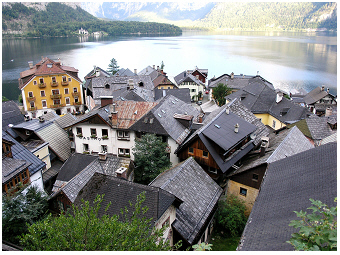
x: 209, y: 106
x: 11, y: 167
x: 162, y: 79
x: 11, y: 114
x: 315, y: 95
x: 124, y: 94
x: 92, y: 73
x: 185, y: 76
x: 287, y: 143
x: 287, y: 187
x: 199, y: 193
x: 42, y: 68
x: 122, y: 82
x: 329, y: 139
x: 182, y: 94
x: 72, y: 187
x: 124, y: 72
x: 163, y: 121
x: 65, y: 120
x: 261, y: 98
x: 20, y: 152
x: 121, y: 192
x: 149, y: 71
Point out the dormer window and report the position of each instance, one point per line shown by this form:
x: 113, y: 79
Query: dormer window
x: 107, y: 86
x: 141, y: 84
x: 49, y: 65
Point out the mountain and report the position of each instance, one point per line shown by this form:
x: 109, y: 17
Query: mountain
x: 223, y: 15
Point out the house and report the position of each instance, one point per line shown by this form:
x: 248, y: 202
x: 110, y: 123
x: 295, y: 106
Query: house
x: 187, y: 80
x: 51, y: 86
x: 222, y: 139
x: 163, y: 82
x: 236, y: 82
x: 319, y: 99
x: 170, y: 118
x: 20, y: 152
x: 200, y: 74
x: 269, y: 105
x: 14, y: 171
x: 152, y: 72
x: 209, y: 107
x: 120, y: 193
x: 245, y: 181
x: 200, y: 195
x: 288, y: 185
x: 182, y: 94
x: 78, y: 170
x: 317, y: 128
x: 11, y: 115
x: 107, y: 129
x: 104, y: 87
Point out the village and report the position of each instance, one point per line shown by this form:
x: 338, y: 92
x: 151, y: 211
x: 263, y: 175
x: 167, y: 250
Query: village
x: 74, y: 138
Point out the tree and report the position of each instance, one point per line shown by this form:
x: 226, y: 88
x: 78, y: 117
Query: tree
x: 19, y: 209
x: 162, y: 66
x: 230, y: 216
x: 81, y: 229
x: 4, y: 99
x: 113, y: 67
x: 317, y: 230
x: 151, y: 158
x: 220, y: 92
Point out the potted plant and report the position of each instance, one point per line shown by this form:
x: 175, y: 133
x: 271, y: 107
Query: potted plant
x: 105, y: 137
x: 80, y: 135
x: 93, y: 136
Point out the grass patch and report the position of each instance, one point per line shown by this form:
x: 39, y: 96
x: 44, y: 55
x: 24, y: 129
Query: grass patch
x: 222, y: 243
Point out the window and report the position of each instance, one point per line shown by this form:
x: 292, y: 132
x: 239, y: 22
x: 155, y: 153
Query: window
x: 75, y: 90
x: 64, y: 79
x: 67, y: 100
x: 166, y: 222
x: 86, y: 147
x: 274, y: 123
x: 30, y: 94
x: 54, y: 79
x: 68, y: 109
x: 205, y: 154
x: 66, y: 91
x: 255, y: 177
x: 32, y: 104
x: 35, y: 82
x: 243, y: 192
x: 42, y: 93
x: 123, y: 134
x: 49, y: 65
x: 107, y: 86
x: 79, y: 130
x: 124, y: 152
x: 191, y: 150
x: 69, y: 79
x: 193, y: 90
x: 105, y: 132
x: 141, y: 84
x: 104, y: 148
x: 43, y: 103
x: 41, y: 80
x: 55, y: 91
x: 76, y: 100
x: 56, y: 101
x: 93, y: 132
x: 212, y: 170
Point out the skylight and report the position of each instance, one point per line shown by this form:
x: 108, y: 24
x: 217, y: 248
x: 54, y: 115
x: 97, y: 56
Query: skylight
x: 217, y: 126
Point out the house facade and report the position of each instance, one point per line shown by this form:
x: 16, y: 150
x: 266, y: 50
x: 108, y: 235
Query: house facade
x: 51, y: 86
x: 187, y: 80
x: 319, y: 100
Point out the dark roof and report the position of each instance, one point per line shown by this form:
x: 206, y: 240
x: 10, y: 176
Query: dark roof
x: 124, y: 94
x: 182, y: 94
x: 11, y: 167
x: 73, y: 165
x: 287, y: 187
x: 259, y: 97
x: 20, y: 152
x: 185, y: 76
x: 11, y: 114
x: 199, y: 193
x: 124, y: 72
x: 238, y: 82
x: 121, y: 192
x: 315, y: 95
x: 65, y: 120
x: 93, y: 72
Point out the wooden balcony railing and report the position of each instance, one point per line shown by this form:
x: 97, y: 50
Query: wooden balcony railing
x: 42, y: 85
x: 57, y: 105
x: 32, y: 108
x: 75, y: 94
x: 56, y: 96
x: 64, y: 83
x: 54, y: 84
x: 31, y: 99
x: 76, y: 103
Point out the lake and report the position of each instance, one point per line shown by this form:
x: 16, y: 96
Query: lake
x: 286, y: 59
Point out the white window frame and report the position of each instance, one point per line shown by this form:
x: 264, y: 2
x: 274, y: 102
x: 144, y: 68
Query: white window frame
x: 43, y: 104
x: 30, y: 92
x: 86, y: 145
x: 35, y: 82
x: 75, y: 90
x: 69, y: 101
x: 66, y: 91
x: 42, y: 93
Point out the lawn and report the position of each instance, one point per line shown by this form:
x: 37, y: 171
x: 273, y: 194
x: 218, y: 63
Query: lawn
x: 221, y: 243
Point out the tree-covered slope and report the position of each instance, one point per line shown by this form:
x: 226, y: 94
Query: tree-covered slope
x: 58, y: 19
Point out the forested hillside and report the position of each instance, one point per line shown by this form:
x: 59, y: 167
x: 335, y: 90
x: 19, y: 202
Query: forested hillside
x: 269, y: 15
x: 57, y: 19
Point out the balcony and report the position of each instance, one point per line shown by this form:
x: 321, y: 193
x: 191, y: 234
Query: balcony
x: 64, y: 83
x: 76, y: 103
x: 32, y: 108
x: 56, y: 96
x: 76, y: 94
x: 57, y: 105
x: 31, y: 99
x: 42, y: 85
x: 54, y: 84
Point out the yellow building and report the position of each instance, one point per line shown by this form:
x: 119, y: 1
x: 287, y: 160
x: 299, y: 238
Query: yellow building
x: 270, y: 121
x: 50, y: 86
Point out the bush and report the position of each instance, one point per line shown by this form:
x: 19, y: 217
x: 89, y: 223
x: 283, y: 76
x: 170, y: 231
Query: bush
x: 230, y: 216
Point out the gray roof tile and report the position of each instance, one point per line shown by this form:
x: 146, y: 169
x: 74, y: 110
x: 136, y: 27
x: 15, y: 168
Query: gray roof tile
x: 11, y: 167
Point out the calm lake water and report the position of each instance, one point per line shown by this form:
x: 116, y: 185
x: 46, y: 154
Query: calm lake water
x: 286, y: 59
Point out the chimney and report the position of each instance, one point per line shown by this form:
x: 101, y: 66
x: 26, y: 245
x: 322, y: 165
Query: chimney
x: 329, y: 111
x: 227, y: 110
x: 121, y: 172
x: 41, y: 119
x: 279, y: 96
x: 114, y: 116
x: 30, y: 64
x: 157, y: 68
x: 232, y: 75
x: 102, y: 156
x: 27, y: 117
x: 258, y: 73
x: 131, y: 86
x: 135, y: 71
x: 200, y: 118
x: 236, y: 127
x: 323, y: 88
x: 153, y: 66
x: 264, y: 145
